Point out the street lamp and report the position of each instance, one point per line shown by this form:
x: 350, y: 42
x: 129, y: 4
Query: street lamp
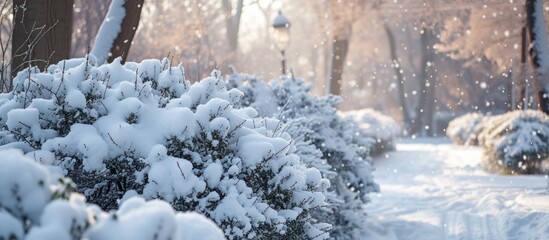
x: 281, y: 26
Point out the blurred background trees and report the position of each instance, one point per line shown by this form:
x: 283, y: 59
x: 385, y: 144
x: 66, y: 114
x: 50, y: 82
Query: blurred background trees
x: 422, y: 62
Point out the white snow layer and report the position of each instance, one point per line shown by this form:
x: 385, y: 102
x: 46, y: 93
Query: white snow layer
x: 109, y: 30
x: 26, y: 200
x: 375, y: 124
x: 82, y: 117
x: 433, y: 190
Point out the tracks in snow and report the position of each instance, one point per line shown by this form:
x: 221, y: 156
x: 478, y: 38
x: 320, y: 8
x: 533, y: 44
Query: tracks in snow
x: 437, y: 191
x: 459, y: 225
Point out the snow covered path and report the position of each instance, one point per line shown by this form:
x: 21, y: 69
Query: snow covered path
x: 431, y: 189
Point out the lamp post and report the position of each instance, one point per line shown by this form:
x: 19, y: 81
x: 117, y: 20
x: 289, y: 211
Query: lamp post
x: 281, y: 26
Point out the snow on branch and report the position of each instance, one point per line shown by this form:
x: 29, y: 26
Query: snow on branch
x: 109, y: 31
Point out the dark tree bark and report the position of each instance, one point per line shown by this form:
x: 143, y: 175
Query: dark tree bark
x: 339, y: 53
x: 538, y: 51
x: 42, y: 32
x: 232, y: 22
x: 89, y: 19
x: 522, y: 101
x: 122, y: 43
x: 341, y: 29
x: 406, y: 115
x: 418, y: 119
x: 427, y: 84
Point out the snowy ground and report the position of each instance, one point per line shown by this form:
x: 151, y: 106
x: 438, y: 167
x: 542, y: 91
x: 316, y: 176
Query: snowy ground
x: 431, y: 189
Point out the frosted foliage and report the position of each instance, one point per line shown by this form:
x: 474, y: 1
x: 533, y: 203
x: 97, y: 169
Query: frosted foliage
x: 517, y: 141
x: 32, y: 208
x: 466, y: 36
x: 12, y: 228
x: 143, y: 129
x: 514, y: 142
x: 382, y: 128
x: 325, y: 140
x: 464, y: 130
x: 24, y: 187
x: 139, y: 219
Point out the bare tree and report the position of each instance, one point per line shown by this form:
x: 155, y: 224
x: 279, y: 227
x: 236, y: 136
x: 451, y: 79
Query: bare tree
x: 42, y: 32
x: 116, y: 33
x: 395, y: 63
x: 523, y: 81
x: 427, y: 81
x: 6, y: 30
x: 539, y: 52
x: 418, y: 113
x: 232, y: 21
x: 342, y: 24
x: 87, y: 18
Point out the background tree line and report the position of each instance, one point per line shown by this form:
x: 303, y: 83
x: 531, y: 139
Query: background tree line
x: 422, y: 62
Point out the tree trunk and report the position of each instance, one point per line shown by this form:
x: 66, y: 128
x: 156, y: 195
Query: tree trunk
x: 406, y: 115
x: 116, y: 33
x: 341, y: 30
x: 122, y: 43
x: 522, y: 101
x: 339, y: 53
x: 232, y: 22
x: 42, y: 32
x: 539, y: 52
x: 424, y: 110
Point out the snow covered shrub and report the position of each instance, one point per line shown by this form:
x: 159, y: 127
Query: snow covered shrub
x: 465, y: 130
x: 155, y: 219
x: 142, y: 129
x: 24, y: 192
x: 517, y: 142
x: 325, y: 141
x: 32, y: 207
x: 382, y: 128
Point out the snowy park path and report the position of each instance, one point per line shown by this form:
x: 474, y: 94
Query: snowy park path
x: 431, y: 189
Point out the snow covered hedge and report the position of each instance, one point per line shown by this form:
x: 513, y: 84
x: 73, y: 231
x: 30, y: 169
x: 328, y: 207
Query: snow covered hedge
x: 141, y: 129
x: 382, y: 128
x: 516, y: 142
x: 35, y: 204
x: 465, y: 130
x: 324, y: 140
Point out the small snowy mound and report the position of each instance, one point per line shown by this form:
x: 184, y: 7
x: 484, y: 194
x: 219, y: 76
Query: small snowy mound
x: 139, y: 219
x: 31, y: 207
x: 517, y: 142
x: 24, y: 192
x: 465, y: 130
x: 324, y: 140
x: 143, y: 129
x: 384, y: 129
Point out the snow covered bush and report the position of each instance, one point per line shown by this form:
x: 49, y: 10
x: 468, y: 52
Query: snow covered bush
x: 382, y: 128
x: 517, y: 142
x: 325, y: 141
x: 35, y: 205
x: 141, y: 129
x: 465, y: 130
